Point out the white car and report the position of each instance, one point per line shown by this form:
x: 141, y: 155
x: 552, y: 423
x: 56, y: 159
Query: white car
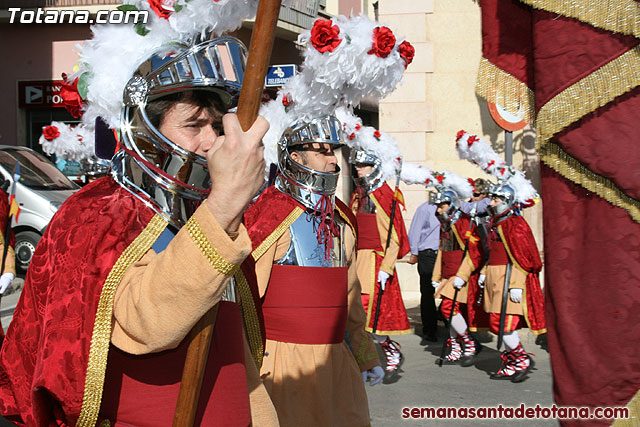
x: 40, y: 191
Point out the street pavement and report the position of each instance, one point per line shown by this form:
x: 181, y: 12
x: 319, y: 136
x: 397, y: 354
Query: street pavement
x: 425, y: 384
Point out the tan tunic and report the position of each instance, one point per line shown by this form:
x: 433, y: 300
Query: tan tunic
x: 319, y: 384
x: 10, y: 262
x: 162, y: 296
x: 494, y: 285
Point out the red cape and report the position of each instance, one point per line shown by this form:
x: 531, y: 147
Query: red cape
x: 43, y: 363
x: 271, y: 209
x: 384, y: 196
x: 521, y: 245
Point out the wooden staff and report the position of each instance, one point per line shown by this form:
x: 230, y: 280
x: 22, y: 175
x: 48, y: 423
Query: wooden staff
x: 248, y: 106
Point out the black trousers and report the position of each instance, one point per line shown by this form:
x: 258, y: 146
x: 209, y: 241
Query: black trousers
x: 426, y: 261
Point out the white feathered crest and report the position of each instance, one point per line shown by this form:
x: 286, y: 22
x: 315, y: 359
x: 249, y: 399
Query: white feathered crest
x: 345, y: 60
x: 477, y: 151
x: 109, y: 59
x: 385, y: 148
x: 74, y: 143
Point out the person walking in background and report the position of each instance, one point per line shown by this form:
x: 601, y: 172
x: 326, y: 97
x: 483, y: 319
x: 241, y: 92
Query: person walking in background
x: 424, y: 239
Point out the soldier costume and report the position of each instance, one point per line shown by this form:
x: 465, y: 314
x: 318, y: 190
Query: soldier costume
x: 131, y: 262
x: 373, y: 204
x: 513, y: 252
x: 304, y: 237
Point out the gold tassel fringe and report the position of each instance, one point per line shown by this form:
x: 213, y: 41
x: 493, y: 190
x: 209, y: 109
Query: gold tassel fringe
x: 557, y: 159
x: 500, y: 87
x: 620, y: 16
x: 587, y: 95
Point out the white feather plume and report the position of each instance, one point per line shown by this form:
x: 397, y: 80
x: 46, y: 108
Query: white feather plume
x: 74, y: 143
x: 333, y: 79
x: 477, y: 151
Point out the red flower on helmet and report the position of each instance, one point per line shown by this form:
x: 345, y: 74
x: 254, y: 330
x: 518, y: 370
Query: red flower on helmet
x: 383, y: 42
x: 50, y: 133
x: 324, y: 35
x: 459, y: 135
x: 491, y: 163
x: 358, y: 127
x: 377, y: 134
x: 440, y: 178
x: 472, y: 182
x: 352, y: 136
x: 472, y: 139
x: 71, y: 99
x: 407, y: 52
x: 157, y: 7
x: 428, y: 181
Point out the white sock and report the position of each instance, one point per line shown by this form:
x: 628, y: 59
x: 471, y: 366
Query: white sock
x: 511, y: 340
x: 458, y: 325
x: 380, y: 338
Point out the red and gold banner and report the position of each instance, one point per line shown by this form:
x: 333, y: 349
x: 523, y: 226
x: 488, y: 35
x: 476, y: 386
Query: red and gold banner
x: 581, y: 63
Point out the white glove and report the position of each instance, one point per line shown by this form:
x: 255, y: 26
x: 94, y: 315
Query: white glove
x: 435, y: 284
x: 375, y: 375
x: 382, y: 278
x: 5, y: 282
x: 481, y: 279
x: 459, y: 282
x: 515, y: 295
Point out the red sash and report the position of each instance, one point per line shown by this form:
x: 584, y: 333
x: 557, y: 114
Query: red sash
x: 498, y: 253
x: 306, y: 305
x: 450, y: 263
x: 143, y: 390
x: 369, y: 236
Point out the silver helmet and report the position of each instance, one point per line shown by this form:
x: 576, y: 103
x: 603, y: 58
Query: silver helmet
x: 508, y: 196
x: 374, y: 179
x: 173, y: 180
x: 304, y: 184
x: 449, y: 196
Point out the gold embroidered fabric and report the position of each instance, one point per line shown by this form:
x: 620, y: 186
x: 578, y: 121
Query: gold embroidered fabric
x: 99, y: 349
x: 620, y: 16
x: 500, y: 87
x: 250, y: 316
x: 207, y: 249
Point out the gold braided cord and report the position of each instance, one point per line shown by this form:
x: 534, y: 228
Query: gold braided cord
x: 634, y: 414
x: 620, y: 16
x: 99, y: 349
x: 213, y: 256
x: 250, y: 317
x: 587, y: 95
x: 497, y: 86
x: 557, y: 159
x: 275, y: 235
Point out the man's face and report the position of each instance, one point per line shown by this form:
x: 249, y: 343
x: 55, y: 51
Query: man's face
x: 477, y: 196
x: 363, y: 169
x: 190, y: 127
x: 495, y: 201
x: 442, y: 208
x: 317, y: 156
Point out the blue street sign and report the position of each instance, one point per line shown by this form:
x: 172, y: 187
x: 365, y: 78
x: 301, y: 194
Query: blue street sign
x: 278, y: 75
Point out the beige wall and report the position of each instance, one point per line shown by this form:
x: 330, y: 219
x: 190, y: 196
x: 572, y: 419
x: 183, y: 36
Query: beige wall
x: 437, y: 98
